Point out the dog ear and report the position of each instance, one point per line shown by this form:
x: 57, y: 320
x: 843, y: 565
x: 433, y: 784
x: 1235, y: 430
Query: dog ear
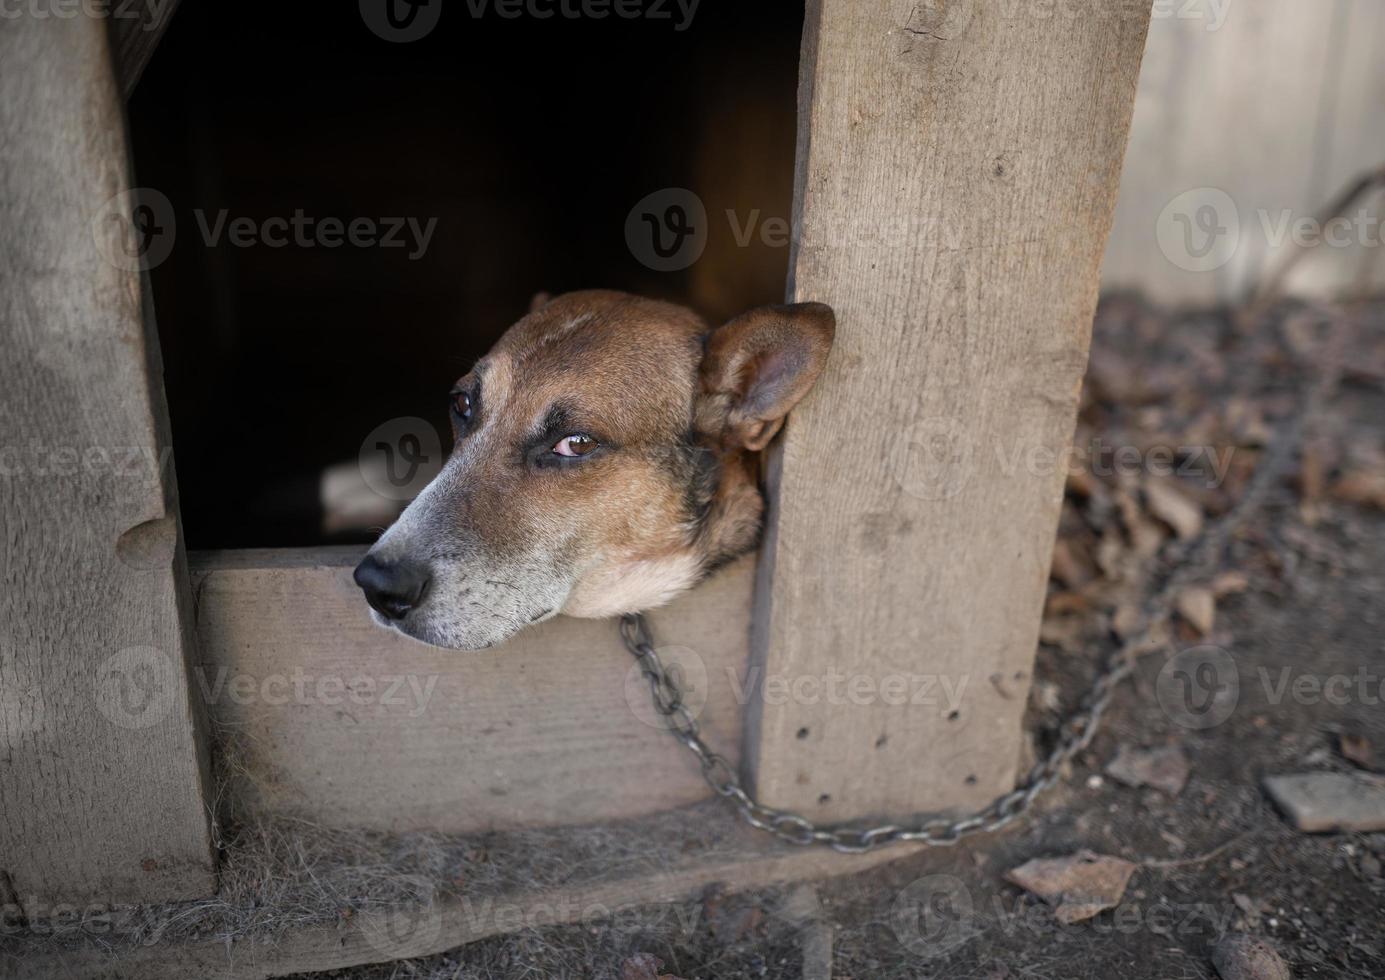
x: 759, y: 365
x: 539, y: 300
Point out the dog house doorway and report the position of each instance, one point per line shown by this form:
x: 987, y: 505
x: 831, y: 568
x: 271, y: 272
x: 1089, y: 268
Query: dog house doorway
x: 357, y: 221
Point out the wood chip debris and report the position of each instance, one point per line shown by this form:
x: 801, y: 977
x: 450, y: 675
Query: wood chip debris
x: 1242, y: 957
x: 1078, y: 886
x: 1327, y: 802
x: 1164, y: 769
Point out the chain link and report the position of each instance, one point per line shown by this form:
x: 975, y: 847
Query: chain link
x: 721, y: 776
x: 1076, y: 732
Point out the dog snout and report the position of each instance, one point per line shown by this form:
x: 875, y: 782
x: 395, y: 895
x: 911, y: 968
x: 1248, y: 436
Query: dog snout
x: 392, y: 588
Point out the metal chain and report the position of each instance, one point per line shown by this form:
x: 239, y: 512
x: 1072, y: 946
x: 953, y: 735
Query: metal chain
x: 1074, y: 734
x: 1077, y: 733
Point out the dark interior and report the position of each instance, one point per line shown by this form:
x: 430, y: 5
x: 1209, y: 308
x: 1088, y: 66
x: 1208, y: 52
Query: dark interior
x: 529, y: 141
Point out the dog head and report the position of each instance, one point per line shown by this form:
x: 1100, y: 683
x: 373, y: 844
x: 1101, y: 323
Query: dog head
x: 605, y: 459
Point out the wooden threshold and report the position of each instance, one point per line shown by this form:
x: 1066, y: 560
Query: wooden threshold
x: 648, y: 867
x: 339, y: 722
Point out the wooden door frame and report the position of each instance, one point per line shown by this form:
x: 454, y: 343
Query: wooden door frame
x: 1004, y: 131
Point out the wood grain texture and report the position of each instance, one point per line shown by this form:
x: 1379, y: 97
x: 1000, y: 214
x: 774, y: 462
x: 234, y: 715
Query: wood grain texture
x: 957, y: 171
x: 136, y: 29
x: 344, y: 724
x: 101, y: 787
x: 1275, y: 103
x: 739, y: 859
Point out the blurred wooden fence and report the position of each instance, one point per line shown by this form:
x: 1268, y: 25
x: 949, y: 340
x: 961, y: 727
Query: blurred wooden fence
x: 1250, y: 116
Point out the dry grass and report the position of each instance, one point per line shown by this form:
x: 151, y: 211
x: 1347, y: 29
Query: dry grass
x: 277, y: 873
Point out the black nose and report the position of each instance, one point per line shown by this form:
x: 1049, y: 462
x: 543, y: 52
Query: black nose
x: 391, y: 589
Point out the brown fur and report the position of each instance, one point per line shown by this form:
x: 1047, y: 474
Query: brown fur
x: 680, y: 413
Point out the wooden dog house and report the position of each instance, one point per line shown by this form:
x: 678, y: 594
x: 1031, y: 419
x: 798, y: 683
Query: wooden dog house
x: 955, y: 181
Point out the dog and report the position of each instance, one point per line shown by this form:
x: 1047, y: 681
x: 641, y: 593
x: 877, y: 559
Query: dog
x: 606, y: 458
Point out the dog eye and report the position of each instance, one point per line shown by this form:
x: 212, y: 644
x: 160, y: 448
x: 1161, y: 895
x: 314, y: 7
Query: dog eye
x: 461, y: 404
x: 578, y: 444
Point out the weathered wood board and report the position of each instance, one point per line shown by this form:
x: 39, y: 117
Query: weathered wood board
x: 136, y: 29
x: 342, y: 723
x: 1263, y: 111
x: 956, y: 176
x: 740, y: 859
x: 101, y: 788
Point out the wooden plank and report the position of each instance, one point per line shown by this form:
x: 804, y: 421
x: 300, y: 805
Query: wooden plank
x: 956, y: 176
x: 1354, y: 144
x: 626, y: 879
x: 344, y: 724
x: 101, y: 784
x: 1275, y: 105
x: 136, y: 29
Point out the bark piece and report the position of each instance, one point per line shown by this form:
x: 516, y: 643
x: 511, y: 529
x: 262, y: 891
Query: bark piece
x: 1078, y: 886
x: 1241, y: 957
x: 1165, y: 769
x: 1174, y: 508
x: 1323, y: 802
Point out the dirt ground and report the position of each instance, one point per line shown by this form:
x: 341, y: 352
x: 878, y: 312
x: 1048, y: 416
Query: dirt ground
x: 1299, y: 605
